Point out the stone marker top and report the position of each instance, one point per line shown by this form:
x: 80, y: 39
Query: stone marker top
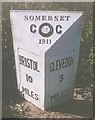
x: 46, y: 48
x: 44, y: 28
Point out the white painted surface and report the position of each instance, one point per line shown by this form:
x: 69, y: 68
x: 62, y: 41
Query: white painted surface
x: 28, y: 52
x: 67, y: 46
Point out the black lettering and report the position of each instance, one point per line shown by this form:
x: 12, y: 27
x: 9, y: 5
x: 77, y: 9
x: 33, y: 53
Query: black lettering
x: 23, y: 89
x: 31, y: 17
x: 29, y: 78
x: 62, y: 93
x: 44, y: 18
x: 69, y: 61
x: 36, y: 97
x: 63, y: 63
x: 61, y: 78
x: 52, y: 66
x: 34, y: 65
x: 37, y: 18
x: 62, y: 18
x: 58, y: 29
x: 28, y: 63
x: 50, y: 18
x: 26, y: 17
x: 56, y: 18
x: 21, y: 60
x: 48, y: 41
x: 57, y: 64
x: 27, y: 92
x: 41, y: 41
x: 31, y: 62
x: 53, y: 97
x: 32, y: 28
x: 32, y: 94
x: 67, y: 18
x: 66, y: 62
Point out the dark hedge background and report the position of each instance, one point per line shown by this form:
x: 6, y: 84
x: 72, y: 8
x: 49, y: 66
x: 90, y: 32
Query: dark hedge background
x: 85, y: 71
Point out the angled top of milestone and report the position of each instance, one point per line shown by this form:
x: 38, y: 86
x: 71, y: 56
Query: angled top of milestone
x: 44, y: 28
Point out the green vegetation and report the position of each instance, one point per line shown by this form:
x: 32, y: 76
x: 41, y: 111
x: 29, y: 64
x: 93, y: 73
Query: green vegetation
x: 85, y: 74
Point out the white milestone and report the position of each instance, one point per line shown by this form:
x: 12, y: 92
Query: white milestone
x: 46, y: 48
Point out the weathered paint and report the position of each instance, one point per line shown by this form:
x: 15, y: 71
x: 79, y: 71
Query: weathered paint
x: 46, y: 47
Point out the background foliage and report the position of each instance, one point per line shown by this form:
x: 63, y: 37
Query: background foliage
x: 87, y: 56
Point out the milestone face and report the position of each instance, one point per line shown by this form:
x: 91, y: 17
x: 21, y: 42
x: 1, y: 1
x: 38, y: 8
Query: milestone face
x: 46, y: 47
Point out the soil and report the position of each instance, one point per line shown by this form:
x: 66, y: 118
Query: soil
x: 80, y: 107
